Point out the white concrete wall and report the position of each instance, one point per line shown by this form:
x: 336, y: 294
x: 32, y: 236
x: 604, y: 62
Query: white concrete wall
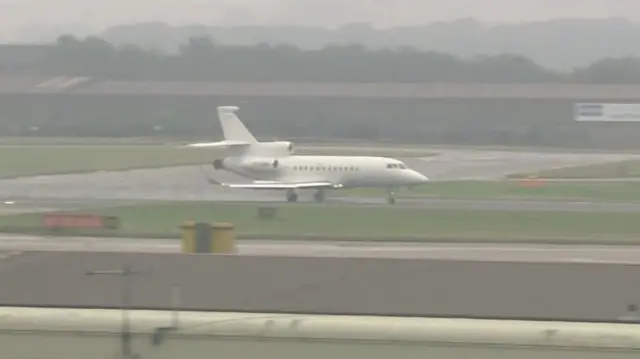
x: 32, y: 333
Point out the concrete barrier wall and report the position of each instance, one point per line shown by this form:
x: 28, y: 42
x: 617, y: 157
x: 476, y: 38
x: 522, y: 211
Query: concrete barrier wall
x: 64, y: 333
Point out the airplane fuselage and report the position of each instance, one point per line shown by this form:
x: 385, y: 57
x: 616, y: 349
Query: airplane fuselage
x: 348, y: 171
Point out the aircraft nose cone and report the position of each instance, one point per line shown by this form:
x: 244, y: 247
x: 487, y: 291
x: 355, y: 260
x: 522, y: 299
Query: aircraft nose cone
x: 417, y: 177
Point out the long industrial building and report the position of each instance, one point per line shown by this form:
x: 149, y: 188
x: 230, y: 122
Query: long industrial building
x: 495, y: 114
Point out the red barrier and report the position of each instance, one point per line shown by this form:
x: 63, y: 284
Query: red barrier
x: 532, y: 182
x: 78, y: 221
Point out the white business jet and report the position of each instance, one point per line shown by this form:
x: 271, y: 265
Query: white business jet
x: 272, y: 165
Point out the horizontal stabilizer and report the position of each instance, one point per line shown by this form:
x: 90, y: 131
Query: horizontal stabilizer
x: 281, y: 185
x: 220, y: 144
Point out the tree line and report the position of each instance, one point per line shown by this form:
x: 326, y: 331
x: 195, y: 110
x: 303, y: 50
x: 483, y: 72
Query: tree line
x: 201, y: 58
x: 556, y: 43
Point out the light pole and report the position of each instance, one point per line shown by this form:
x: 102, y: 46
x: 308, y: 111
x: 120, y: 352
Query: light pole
x: 127, y: 273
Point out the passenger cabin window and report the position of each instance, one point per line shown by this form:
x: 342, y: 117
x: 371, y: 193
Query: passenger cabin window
x: 330, y: 168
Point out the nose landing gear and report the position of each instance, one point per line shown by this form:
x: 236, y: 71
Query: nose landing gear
x: 292, y: 196
x: 392, y: 196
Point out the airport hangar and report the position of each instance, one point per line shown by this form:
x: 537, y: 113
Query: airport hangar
x: 479, y: 113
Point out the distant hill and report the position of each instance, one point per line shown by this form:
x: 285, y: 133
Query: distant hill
x: 557, y: 44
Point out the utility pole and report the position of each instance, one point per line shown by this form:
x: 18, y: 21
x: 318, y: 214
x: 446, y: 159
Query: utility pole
x: 175, y: 301
x: 127, y: 273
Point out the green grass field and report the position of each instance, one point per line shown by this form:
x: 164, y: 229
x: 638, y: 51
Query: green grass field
x: 351, y: 222
x: 33, y: 160
x: 592, y: 191
x: 622, y: 169
x: 77, y: 141
x: 160, y: 139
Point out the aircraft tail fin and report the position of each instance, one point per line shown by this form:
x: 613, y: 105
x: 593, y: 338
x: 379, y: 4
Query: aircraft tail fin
x: 232, y: 128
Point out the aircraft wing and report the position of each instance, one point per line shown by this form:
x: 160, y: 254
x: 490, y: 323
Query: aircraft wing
x: 280, y: 185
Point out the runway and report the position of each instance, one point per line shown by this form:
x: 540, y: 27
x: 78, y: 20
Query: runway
x: 465, y: 164
x: 15, y: 244
x: 499, y: 205
x: 189, y: 183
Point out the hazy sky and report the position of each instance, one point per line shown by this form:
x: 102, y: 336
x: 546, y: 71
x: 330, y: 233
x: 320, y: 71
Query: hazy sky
x: 93, y: 15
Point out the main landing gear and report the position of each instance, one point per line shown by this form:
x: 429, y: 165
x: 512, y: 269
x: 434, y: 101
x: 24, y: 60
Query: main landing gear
x: 292, y: 196
x: 319, y: 196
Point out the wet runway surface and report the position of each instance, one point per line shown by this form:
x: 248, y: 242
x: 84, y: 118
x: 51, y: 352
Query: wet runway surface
x: 462, y: 164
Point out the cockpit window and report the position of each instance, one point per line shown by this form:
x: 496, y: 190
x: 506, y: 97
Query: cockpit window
x: 402, y: 166
x: 396, y: 165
